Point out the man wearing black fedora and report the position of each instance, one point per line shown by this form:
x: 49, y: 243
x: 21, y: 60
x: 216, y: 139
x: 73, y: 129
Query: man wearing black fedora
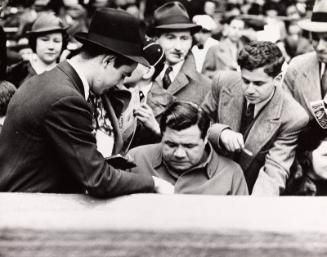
x: 47, y: 144
x: 174, y: 31
x: 306, y: 80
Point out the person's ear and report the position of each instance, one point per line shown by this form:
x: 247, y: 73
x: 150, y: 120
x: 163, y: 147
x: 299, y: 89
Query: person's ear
x: 108, y: 60
x: 149, y: 73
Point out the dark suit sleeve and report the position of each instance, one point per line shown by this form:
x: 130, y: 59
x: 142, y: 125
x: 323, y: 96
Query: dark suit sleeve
x: 68, y: 124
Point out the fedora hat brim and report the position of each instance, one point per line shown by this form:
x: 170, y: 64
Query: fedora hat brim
x: 114, y: 45
x: 182, y: 26
x: 313, y: 26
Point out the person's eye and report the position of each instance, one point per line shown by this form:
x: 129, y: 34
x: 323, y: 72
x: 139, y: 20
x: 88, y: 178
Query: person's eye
x: 259, y: 84
x: 44, y: 38
x: 170, y: 144
x: 246, y: 81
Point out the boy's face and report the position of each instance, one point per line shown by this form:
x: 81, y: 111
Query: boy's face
x: 257, y: 85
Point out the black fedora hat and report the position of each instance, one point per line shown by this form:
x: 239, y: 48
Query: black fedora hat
x: 117, y: 31
x: 173, y: 16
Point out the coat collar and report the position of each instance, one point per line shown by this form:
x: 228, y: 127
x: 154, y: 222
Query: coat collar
x: 72, y: 74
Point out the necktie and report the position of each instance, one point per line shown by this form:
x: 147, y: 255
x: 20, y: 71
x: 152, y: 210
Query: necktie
x: 142, y: 96
x: 324, y: 83
x: 166, y: 79
x: 247, y: 118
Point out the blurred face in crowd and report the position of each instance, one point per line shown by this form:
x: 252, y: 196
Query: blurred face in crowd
x: 176, y: 45
x: 209, y: 8
x: 48, y: 47
x: 235, y: 30
x: 202, y: 36
x: 257, y: 85
x: 319, y: 43
x: 184, y: 149
x: 107, y: 75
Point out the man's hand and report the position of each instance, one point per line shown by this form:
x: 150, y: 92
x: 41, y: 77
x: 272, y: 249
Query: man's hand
x: 162, y: 186
x: 232, y: 141
x: 145, y: 114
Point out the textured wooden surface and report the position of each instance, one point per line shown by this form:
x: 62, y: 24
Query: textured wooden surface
x: 161, y: 225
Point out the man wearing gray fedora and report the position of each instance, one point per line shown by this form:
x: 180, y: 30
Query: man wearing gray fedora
x: 174, y: 31
x: 306, y: 80
x: 47, y: 144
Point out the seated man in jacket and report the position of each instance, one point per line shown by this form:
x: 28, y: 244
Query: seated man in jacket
x: 186, y: 159
x: 256, y: 119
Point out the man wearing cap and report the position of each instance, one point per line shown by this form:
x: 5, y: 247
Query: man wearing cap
x: 47, y: 144
x: 257, y: 123
x: 203, y: 39
x: 179, y: 76
x: 306, y: 80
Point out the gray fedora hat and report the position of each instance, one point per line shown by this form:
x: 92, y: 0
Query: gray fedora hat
x: 117, y: 31
x: 318, y: 21
x: 173, y: 16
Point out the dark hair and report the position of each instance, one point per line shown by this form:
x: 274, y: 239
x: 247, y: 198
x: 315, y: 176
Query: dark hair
x: 7, y: 90
x: 32, y: 40
x: 182, y: 115
x: 90, y: 51
x: 259, y: 54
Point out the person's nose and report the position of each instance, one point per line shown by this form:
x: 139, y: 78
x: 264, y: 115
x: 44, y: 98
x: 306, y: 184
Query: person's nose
x: 250, y: 88
x: 178, y: 45
x: 180, y: 152
x: 51, y: 45
x: 322, y: 45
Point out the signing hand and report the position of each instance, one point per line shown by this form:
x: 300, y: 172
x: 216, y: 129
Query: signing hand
x: 162, y: 186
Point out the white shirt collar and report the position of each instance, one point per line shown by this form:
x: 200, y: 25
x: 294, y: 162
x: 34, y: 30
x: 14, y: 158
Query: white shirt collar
x: 176, y: 68
x: 322, y: 68
x: 86, y: 85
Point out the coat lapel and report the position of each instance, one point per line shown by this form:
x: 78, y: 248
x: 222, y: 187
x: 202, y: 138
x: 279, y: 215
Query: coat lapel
x: 264, y: 127
x: 311, y: 89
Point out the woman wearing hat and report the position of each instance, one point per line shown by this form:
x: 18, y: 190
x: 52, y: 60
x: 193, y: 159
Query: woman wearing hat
x: 47, y: 39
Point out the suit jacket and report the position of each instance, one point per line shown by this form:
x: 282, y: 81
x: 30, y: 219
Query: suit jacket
x: 272, y: 138
x: 219, y: 57
x: 189, y: 85
x: 47, y: 144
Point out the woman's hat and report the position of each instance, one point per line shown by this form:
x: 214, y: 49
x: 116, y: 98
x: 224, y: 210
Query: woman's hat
x: 46, y: 23
x: 173, y: 16
x: 117, y: 31
x: 318, y: 22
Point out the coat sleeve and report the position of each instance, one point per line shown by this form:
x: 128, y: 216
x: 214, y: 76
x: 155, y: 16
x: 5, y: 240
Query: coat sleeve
x: 69, y: 126
x: 210, y: 107
x: 272, y: 176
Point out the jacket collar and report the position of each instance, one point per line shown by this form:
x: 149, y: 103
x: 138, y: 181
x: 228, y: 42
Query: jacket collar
x: 72, y: 74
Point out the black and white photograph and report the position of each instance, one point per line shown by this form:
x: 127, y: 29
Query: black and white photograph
x: 163, y: 128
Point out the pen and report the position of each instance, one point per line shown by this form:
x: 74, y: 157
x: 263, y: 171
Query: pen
x: 246, y: 151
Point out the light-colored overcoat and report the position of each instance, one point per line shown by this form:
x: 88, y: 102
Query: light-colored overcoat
x: 272, y: 138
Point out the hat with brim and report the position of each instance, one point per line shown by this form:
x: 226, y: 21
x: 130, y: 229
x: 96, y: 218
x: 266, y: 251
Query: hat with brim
x: 116, y: 31
x: 46, y: 23
x: 318, y: 21
x: 173, y: 16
